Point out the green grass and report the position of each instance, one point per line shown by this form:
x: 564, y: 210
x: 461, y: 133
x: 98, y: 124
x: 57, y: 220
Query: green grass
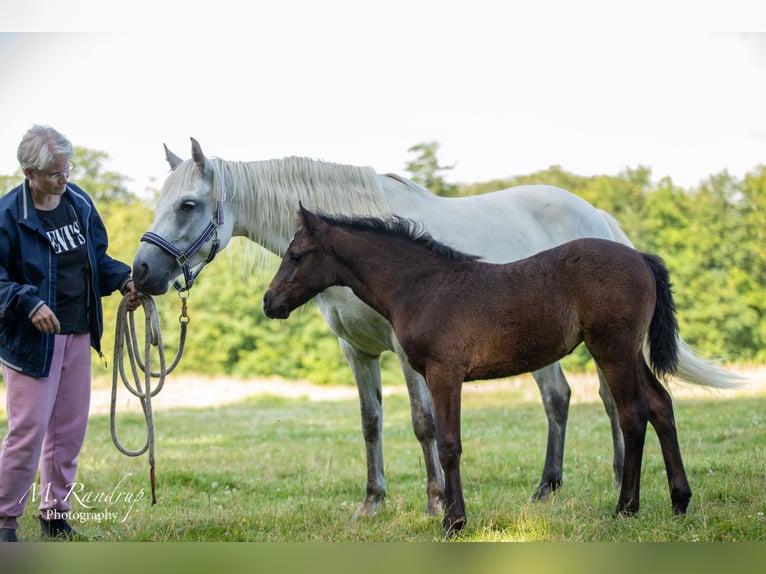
x: 273, y: 469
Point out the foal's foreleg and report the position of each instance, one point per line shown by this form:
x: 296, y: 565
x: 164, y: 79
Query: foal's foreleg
x: 445, y: 393
x: 663, y: 420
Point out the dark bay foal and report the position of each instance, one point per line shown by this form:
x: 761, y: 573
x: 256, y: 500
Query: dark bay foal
x: 460, y: 319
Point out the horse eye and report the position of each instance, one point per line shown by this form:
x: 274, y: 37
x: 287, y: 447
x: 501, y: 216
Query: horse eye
x: 295, y: 256
x: 188, y: 205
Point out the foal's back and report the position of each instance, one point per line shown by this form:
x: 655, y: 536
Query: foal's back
x: 501, y: 320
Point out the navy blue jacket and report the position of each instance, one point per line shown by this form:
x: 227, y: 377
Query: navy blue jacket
x: 28, y: 277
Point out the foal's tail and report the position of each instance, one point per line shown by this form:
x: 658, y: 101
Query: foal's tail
x: 671, y: 355
x: 690, y: 367
x: 663, y: 330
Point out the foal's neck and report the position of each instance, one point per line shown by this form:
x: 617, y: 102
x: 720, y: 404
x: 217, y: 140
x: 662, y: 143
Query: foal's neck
x: 379, y: 270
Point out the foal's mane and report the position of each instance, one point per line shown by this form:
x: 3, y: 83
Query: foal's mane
x: 400, y: 228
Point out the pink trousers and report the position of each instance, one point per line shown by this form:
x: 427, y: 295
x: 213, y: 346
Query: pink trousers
x: 47, y: 420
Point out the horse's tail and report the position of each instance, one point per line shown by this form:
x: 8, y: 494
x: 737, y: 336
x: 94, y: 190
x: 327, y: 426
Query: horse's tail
x: 663, y: 330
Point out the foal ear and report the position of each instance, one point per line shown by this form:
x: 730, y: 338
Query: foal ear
x: 202, y: 163
x: 307, y: 219
x: 172, y: 158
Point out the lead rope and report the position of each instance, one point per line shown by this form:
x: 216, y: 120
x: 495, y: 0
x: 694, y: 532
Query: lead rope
x: 126, y: 337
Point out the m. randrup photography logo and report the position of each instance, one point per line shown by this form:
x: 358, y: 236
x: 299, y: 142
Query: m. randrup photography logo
x: 115, y: 504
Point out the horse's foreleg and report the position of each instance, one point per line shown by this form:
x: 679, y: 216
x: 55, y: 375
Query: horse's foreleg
x: 555, y: 393
x: 424, y: 426
x: 366, y: 371
x: 617, y: 442
x: 663, y: 420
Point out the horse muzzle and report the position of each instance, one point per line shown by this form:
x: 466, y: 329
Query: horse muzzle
x: 149, y: 279
x: 274, y: 305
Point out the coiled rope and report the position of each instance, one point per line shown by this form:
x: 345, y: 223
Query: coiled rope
x: 127, y: 338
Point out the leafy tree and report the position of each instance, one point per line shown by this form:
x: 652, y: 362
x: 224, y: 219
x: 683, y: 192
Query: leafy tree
x: 426, y: 171
x: 8, y: 182
x: 712, y: 237
x: 103, y: 186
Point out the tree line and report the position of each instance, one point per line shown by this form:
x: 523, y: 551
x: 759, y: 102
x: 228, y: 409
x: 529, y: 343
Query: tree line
x: 711, y: 237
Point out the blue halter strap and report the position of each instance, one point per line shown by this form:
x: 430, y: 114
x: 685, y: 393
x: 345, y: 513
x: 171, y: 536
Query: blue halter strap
x: 183, y: 257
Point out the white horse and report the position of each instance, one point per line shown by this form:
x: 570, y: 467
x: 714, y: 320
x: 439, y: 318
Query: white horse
x: 204, y: 202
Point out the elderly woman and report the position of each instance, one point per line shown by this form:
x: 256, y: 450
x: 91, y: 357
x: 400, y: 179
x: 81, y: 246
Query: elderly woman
x: 54, y: 269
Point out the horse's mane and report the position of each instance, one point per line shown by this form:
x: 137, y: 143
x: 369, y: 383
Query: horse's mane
x: 270, y: 191
x: 398, y: 227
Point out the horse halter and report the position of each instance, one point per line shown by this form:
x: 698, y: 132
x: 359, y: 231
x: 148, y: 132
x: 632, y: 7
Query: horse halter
x: 183, y: 257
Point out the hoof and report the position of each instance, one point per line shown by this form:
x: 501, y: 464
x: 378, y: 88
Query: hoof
x: 544, y: 490
x: 434, y: 506
x: 628, y: 510
x: 368, y: 508
x: 453, y: 527
x: 680, y: 506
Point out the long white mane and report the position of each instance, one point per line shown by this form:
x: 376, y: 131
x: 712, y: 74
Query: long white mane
x: 267, y: 193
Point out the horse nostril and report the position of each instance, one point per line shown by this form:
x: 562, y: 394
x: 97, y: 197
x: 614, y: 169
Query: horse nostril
x: 140, y: 271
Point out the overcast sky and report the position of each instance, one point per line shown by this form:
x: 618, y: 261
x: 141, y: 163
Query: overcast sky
x: 361, y: 82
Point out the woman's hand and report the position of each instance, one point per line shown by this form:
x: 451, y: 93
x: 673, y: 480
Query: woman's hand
x: 45, y: 320
x: 129, y: 289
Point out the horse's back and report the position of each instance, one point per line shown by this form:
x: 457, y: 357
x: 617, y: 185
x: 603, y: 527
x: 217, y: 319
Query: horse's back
x: 503, y: 225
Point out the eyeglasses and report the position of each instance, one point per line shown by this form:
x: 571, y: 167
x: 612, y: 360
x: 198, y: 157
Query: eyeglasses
x: 57, y: 175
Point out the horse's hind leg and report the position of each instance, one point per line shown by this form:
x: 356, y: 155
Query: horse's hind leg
x: 555, y: 393
x: 617, y: 442
x: 424, y: 426
x: 663, y: 420
x: 366, y: 371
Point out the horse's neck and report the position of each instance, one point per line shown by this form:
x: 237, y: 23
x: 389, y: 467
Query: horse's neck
x: 267, y: 195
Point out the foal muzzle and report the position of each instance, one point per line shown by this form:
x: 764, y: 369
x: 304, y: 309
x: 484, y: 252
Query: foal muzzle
x: 272, y: 307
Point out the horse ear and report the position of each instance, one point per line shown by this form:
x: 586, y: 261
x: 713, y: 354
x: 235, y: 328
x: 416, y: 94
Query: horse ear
x: 202, y: 163
x: 172, y: 158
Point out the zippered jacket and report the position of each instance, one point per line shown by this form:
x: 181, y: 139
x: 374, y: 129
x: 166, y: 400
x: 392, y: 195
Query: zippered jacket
x: 28, y: 277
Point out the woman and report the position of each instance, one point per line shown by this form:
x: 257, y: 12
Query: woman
x: 54, y: 269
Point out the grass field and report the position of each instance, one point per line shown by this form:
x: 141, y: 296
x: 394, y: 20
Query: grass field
x: 256, y: 466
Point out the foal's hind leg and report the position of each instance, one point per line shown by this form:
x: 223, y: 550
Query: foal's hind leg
x: 662, y: 419
x: 623, y: 379
x: 555, y: 393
